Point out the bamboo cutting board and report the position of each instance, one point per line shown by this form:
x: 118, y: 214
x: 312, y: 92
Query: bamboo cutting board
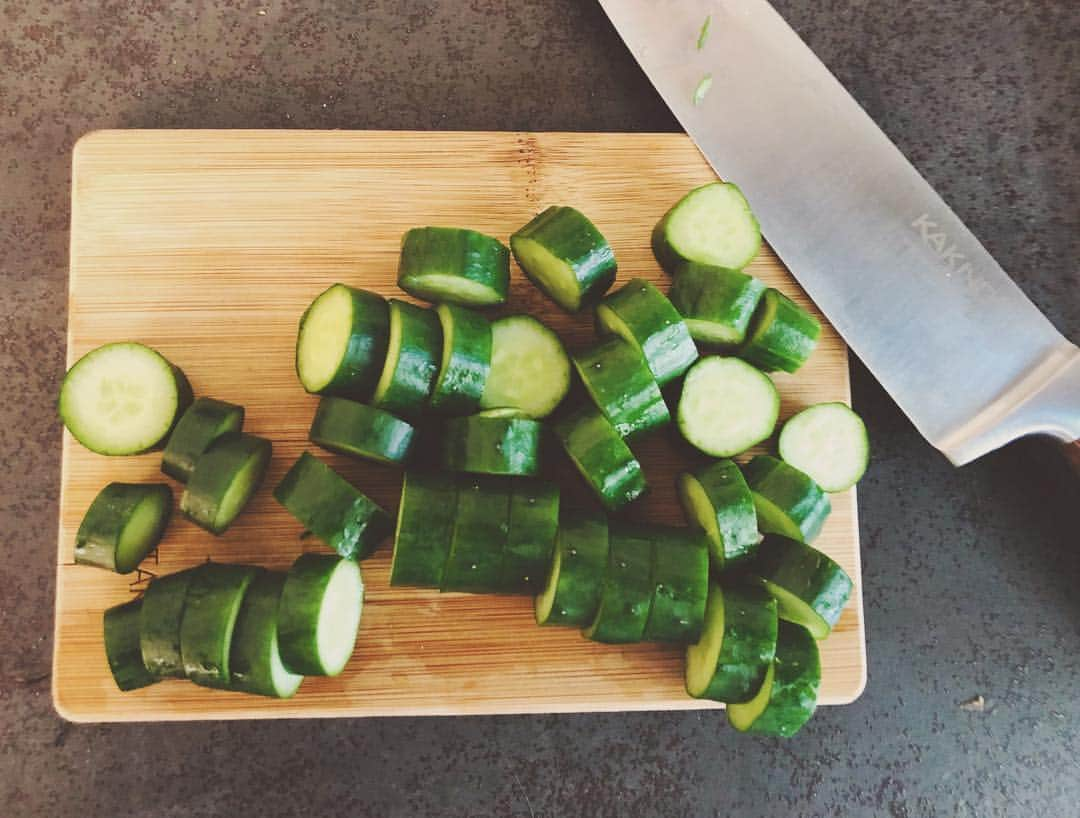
x: 208, y: 245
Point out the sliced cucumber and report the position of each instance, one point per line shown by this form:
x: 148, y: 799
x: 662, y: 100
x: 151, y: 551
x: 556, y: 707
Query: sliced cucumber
x: 529, y: 367
x: 255, y: 660
x: 211, y: 606
x: 781, y: 335
x: 454, y: 265
x: 352, y: 428
x: 727, y: 406
x: 123, y: 524
x: 711, y: 224
x: 479, y: 537
x: 602, y: 457
x: 159, y: 624
x: 319, y: 614
x: 332, y: 509
x: 787, y: 501
x: 828, y: 442
x: 225, y: 478
x: 412, y: 360
x: 122, y: 398
x: 717, y: 500
x: 204, y: 422
x: 492, y: 444
x: 716, y: 302
x: 121, y: 626
x: 530, y: 543
x: 680, y: 583
x: 425, y: 525
x: 571, y: 594
x: 565, y: 256
x: 624, y: 390
x: 641, y: 315
x: 466, y: 360
x: 627, y: 590
x: 342, y: 342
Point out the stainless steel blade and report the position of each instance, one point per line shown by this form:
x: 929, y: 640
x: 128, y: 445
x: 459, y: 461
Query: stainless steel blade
x: 956, y: 343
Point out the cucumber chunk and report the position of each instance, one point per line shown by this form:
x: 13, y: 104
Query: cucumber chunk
x: 454, y: 265
x: 620, y: 384
x: 123, y: 524
x: 529, y: 367
x: 530, y: 543
x: 481, y: 524
x: 787, y: 501
x: 680, y: 582
x: 352, y: 428
x: 711, y: 224
x: 225, y: 479
x: 211, y: 606
x: 412, y: 360
x: 121, y: 627
x: 718, y: 501
x: 486, y: 444
x: 627, y: 590
x: 781, y: 335
x: 319, y: 614
x: 828, y: 442
x: 602, y: 457
x: 255, y: 660
x: 717, y: 303
x: 466, y: 360
x: 425, y: 525
x: 727, y: 406
x: 571, y: 594
x: 159, y: 623
x: 204, y: 422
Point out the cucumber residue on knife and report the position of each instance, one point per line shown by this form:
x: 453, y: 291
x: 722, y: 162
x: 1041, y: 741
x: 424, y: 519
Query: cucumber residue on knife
x: 703, y: 35
x: 702, y: 89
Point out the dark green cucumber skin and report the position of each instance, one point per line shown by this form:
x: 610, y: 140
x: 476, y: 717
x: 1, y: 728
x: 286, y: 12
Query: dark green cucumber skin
x: 297, y: 628
x: 796, y: 680
x: 460, y: 384
x: 750, y: 627
x: 417, y: 363
x: 211, y: 606
x: 493, y: 445
x: 790, y: 489
x: 583, y: 539
x: 626, y: 594
x: 121, y: 628
x: 332, y: 509
x: 785, y: 342
x: 254, y: 636
x: 351, y: 428
x: 201, y: 424
x: 804, y: 572
x: 736, y: 519
x: 716, y: 295
x: 471, y: 255
x: 568, y: 235
x: 530, y: 543
x: 98, y: 537
x: 619, y: 381
x: 159, y: 625
x: 426, y: 512
x: 359, y: 370
x: 680, y: 583
x: 474, y: 564
x: 602, y: 457
x: 213, y: 475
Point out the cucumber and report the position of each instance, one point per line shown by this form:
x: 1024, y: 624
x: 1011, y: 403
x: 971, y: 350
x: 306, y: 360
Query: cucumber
x: 412, y: 360
x: 530, y: 542
x: 454, y: 265
x: 123, y: 524
x: 716, y: 499
x: 493, y: 443
x: 727, y: 406
x: 121, y: 628
x: 810, y: 589
x: 711, y: 224
x: 737, y: 646
x: 159, y: 623
x: 332, y: 509
x: 601, y: 457
x: 620, y: 384
x: 717, y: 303
x: 201, y: 424
x: 565, y: 256
x: 642, y: 316
x: 479, y: 537
x: 211, y: 606
x: 787, y: 501
x: 342, y: 342
x: 788, y: 696
x: 425, y: 524
x: 225, y: 478
x: 575, y: 579
x: 680, y: 583
x: 122, y: 398
x: 352, y: 428
x: 828, y: 442
x: 319, y: 614
x: 627, y: 590
x: 781, y: 335
x: 529, y: 367
x: 255, y: 660
x: 465, y: 362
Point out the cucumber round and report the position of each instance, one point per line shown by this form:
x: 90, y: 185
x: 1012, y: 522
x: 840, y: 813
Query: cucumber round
x: 727, y: 406
x: 828, y: 442
x: 255, y: 659
x: 487, y: 444
x: 211, y: 606
x: 121, y: 628
x: 602, y: 457
x: 717, y: 500
x: 352, y: 428
x: 225, y: 479
x: 781, y: 335
x: 620, y: 384
x: 159, y: 623
x: 123, y: 524
x: 425, y: 525
x: 465, y: 363
x: 530, y: 370
x: 717, y: 303
x: 530, y: 542
x: 627, y: 590
x: 319, y: 614
x: 454, y: 265
x: 712, y: 224
x: 680, y: 583
x: 201, y: 424
x: 412, y: 360
x: 481, y: 524
x: 787, y: 501
x: 575, y: 579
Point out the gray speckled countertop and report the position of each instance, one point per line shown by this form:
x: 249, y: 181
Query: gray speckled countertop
x: 971, y: 575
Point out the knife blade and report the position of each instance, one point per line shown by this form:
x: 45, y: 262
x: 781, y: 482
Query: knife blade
x: 960, y: 348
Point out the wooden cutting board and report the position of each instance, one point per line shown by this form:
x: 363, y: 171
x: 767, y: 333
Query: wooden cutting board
x: 208, y: 245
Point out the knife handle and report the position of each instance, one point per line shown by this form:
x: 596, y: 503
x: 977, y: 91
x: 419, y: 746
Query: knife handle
x: 1072, y: 454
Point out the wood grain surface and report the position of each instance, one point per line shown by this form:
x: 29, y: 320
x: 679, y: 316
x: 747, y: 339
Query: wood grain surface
x: 208, y: 245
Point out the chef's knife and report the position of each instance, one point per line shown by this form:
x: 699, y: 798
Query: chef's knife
x: 956, y: 343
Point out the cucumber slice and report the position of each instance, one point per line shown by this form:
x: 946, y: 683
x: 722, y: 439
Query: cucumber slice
x: 466, y: 360
x: 727, y: 406
x: 319, y: 614
x: 342, y: 341
x: 412, y: 360
x: 530, y: 542
x: 565, y: 256
x: 788, y: 697
x: 717, y: 500
x: 717, y: 303
x: 454, y: 265
x: 255, y: 660
x: 159, y: 623
x: 479, y: 538
x: 352, y: 428
x: 211, y: 606
x: 204, y: 422
x: 122, y: 398
x: 601, y: 457
x: 425, y: 525
x: 737, y: 646
x: 619, y: 381
x: 487, y: 444
x: 121, y: 628
x: 781, y: 335
x: 680, y: 583
x: 711, y: 224
x: 225, y: 478
x: 787, y: 501
x: 571, y: 594
x: 627, y: 590
x: 332, y: 509
x: 810, y: 589
x: 641, y: 315
x: 529, y: 367
x: 828, y: 442
x: 123, y: 524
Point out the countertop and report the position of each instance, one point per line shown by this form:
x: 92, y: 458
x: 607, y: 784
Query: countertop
x: 971, y: 575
